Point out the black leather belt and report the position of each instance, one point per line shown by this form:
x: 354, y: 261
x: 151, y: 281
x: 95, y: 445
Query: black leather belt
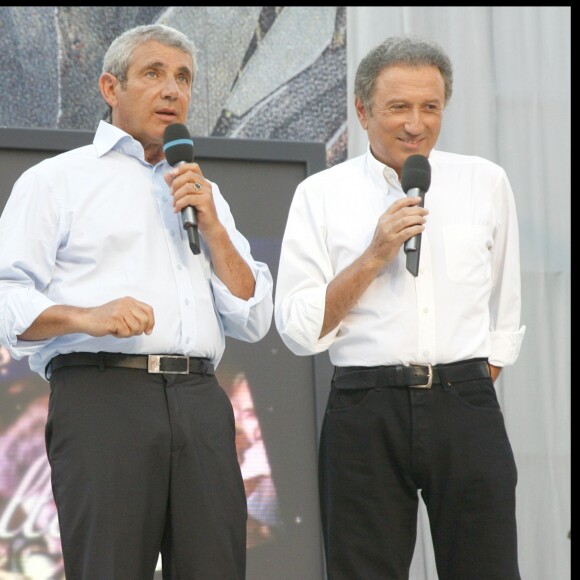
x: 418, y: 376
x: 152, y: 363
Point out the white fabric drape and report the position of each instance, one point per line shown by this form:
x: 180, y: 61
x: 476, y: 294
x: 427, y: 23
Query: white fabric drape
x: 511, y: 104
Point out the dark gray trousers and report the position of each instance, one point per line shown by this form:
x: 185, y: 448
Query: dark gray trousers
x: 142, y: 464
x: 381, y: 447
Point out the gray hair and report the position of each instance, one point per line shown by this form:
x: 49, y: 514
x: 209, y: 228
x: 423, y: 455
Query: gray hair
x: 406, y: 50
x: 118, y: 56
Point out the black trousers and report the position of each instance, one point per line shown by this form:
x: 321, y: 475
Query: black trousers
x: 142, y: 464
x: 382, y: 447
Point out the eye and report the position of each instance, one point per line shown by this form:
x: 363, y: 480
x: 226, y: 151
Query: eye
x: 151, y: 74
x: 183, y: 79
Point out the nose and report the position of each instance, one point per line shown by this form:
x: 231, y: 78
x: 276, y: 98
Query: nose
x: 414, y: 122
x: 170, y: 89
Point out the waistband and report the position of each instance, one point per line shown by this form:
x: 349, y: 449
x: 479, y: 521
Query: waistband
x: 418, y: 376
x: 152, y: 363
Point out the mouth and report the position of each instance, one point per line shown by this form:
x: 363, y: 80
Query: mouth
x: 166, y: 114
x: 413, y: 143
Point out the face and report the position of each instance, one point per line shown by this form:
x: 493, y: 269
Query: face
x: 406, y: 113
x: 156, y: 93
x: 245, y: 413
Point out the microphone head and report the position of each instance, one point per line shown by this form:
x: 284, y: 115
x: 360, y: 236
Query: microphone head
x: 416, y: 173
x: 177, y: 144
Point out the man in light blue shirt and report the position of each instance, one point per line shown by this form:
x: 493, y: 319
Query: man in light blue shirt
x: 99, y: 288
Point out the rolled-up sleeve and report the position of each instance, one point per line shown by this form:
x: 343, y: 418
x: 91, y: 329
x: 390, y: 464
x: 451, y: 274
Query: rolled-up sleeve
x: 25, y: 268
x: 247, y: 320
x: 304, y: 273
x: 18, y: 310
x: 506, y: 333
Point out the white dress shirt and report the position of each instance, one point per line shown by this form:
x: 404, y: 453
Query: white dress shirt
x: 464, y: 303
x: 95, y: 224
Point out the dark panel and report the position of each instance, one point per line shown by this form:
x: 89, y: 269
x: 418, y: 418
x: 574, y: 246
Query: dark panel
x: 258, y: 179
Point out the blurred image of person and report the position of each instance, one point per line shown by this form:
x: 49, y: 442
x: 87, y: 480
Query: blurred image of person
x: 29, y: 535
x: 412, y: 412
x: 263, y: 515
x: 100, y: 289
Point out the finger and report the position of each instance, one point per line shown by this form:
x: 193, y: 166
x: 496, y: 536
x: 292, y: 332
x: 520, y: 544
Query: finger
x: 136, y: 319
x: 140, y: 319
x: 189, y: 194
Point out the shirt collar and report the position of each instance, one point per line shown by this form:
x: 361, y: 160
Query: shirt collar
x: 381, y: 172
x: 110, y: 138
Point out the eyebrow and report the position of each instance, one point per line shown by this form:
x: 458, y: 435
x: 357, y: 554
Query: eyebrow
x: 162, y: 65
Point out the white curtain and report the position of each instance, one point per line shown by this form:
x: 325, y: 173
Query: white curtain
x: 511, y: 104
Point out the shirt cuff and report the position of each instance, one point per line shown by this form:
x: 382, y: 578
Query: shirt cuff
x: 505, y: 347
x: 301, y: 332
x: 22, y: 308
x: 236, y: 309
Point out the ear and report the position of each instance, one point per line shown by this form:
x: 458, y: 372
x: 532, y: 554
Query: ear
x: 361, y: 112
x: 108, y: 84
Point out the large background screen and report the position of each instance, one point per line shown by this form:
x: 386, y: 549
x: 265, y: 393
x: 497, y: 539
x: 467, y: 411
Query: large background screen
x: 273, y: 392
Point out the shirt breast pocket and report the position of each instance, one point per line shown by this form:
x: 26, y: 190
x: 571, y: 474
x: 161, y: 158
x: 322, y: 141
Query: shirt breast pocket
x: 467, y: 252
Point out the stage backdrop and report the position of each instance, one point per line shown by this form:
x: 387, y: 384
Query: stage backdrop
x: 280, y: 73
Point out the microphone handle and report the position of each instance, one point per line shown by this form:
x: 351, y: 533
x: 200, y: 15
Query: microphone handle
x: 189, y: 223
x: 193, y: 237
x: 413, y: 244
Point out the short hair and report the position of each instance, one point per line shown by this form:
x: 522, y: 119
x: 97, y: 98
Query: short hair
x: 118, y: 56
x: 406, y: 50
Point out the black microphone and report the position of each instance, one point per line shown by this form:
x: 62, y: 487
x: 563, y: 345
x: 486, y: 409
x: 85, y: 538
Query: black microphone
x: 178, y: 147
x: 415, y: 179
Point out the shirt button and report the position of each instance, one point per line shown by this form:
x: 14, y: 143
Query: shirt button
x: 187, y: 301
x: 425, y: 310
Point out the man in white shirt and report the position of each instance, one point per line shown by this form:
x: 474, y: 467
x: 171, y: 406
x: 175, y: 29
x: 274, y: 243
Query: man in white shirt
x: 99, y: 288
x: 412, y: 408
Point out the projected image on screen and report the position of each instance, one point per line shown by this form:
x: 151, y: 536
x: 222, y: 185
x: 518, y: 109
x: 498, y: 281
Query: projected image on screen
x: 263, y: 513
x: 29, y: 536
x: 273, y: 392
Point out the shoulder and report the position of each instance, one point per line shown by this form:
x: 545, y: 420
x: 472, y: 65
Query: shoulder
x: 337, y: 174
x: 64, y: 160
x: 445, y: 159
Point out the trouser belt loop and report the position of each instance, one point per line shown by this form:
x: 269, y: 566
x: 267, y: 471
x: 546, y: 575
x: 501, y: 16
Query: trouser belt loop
x: 399, y: 376
x: 334, y: 375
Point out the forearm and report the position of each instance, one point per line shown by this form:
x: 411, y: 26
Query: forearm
x: 230, y: 267
x: 346, y: 288
x: 123, y: 317
x: 55, y: 321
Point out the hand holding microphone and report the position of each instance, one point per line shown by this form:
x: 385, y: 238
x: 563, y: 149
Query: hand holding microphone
x: 178, y: 147
x: 415, y: 179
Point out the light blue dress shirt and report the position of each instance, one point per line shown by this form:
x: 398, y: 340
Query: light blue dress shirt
x: 97, y: 223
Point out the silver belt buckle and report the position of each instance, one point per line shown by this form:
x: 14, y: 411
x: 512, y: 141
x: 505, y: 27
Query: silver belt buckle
x: 154, y: 364
x: 429, y: 382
